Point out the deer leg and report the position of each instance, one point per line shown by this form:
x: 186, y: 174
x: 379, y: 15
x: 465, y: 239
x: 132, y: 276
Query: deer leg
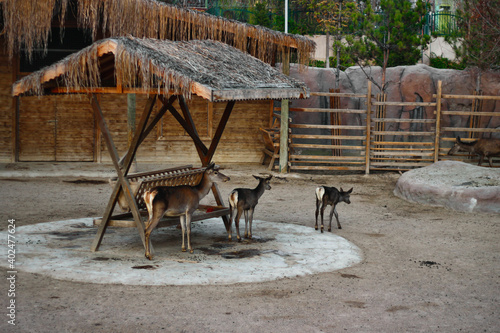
x: 337, y: 217
x: 230, y: 227
x: 322, y: 213
x: 183, y: 227
x: 481, y: 157
x: 151, y: 224
x: 250, y: 220
x: 237, y: 224
x: 318, y: 203
x: 490, y: 161
x: 188, y: 229
x: 332, y: 211
x: 246, y: 224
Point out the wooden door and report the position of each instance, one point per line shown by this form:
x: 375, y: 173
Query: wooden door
x: 54, y: 128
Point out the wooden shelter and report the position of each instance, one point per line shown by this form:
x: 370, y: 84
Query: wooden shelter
x: 32, y: 27
x: 166, y: 71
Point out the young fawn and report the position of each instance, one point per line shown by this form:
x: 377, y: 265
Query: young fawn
x: 330, y: 196
x: 244, y: 200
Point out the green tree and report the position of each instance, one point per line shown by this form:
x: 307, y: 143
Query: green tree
x: 390, y: 37
x: 328, y: 15
x: 476, y: 42
x: 261, y: 15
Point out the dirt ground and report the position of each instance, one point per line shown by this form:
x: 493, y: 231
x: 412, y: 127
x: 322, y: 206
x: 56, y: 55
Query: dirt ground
x: 424, y: 269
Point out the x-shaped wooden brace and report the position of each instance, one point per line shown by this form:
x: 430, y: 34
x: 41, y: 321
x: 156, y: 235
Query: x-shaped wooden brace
x: 122, y: 166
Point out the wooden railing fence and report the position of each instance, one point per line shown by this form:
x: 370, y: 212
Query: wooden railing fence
x: 366, y: 139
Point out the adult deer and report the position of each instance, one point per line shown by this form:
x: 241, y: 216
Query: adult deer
x: 244, y: 200
x: 482, y: 147
x: 179, y: 201
x: 330, y: 196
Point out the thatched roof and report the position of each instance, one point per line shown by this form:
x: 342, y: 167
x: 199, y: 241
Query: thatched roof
x: 27, y: 25
x: 210, y: 69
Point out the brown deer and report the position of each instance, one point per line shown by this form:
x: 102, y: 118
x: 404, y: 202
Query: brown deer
x: 179, y: 201
x: 330, y: 196
x: 244, y: 200
x: 482, y: 147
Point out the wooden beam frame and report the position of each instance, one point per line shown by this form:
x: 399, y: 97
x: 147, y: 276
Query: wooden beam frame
x: 122, y: 166
x: 205, y: 154
x: 122, y: 170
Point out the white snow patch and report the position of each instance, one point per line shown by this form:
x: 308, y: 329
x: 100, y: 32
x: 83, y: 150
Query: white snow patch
x: 61, y: 250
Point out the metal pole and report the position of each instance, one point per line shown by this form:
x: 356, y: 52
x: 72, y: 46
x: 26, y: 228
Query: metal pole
x: 286, y: 16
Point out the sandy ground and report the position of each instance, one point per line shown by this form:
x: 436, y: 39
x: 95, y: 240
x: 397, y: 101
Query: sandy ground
x: 424, y: 269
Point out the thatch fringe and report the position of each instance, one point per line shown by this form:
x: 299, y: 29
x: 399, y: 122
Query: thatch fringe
x: 166, y: 66
x: 28, y: 23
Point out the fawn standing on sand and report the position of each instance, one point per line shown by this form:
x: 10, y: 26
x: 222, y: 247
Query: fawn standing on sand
x: 330, y: 196
x: 244, y: 200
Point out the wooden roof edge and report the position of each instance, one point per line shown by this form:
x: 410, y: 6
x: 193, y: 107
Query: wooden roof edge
x: 263, y: 94
x: 58, y: 69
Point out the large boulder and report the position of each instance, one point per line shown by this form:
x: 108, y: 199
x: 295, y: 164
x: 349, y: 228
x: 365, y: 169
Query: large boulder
x: 455, y: 185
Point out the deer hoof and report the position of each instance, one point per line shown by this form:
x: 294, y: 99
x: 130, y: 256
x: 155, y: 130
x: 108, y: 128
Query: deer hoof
x: 316, y: 227
x: 183, y: 249
x: 149, y: 256
x: 330, y: 229
x: 191, y: 251
x: 321, y: 230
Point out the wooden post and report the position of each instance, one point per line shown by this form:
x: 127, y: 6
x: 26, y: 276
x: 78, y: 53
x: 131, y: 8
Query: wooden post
x: 121, y: 169
x: 437, y: 138
x: 131, y: 113
x: 368, y: 126
x: 285, y: 108
x: 335, y: 119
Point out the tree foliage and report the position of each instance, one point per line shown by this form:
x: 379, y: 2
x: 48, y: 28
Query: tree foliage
x: 390, y: 37
x: 477, y: 41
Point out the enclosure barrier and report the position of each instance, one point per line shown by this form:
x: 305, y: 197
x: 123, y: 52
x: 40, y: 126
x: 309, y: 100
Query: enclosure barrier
x: 366, y: 139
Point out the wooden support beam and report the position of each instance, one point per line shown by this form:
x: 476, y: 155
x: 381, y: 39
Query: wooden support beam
x: 200, y: 146
x: 438, y: 122
x: 122, y: 183
x: 218, y: 133
x: 285, y: 111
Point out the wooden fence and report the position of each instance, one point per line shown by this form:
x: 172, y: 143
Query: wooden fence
x: 366, y: 139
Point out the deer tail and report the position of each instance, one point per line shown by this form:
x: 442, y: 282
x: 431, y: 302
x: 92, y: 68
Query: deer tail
x: 148, y: 197
x: 233, y: 199
x: 320, y: 192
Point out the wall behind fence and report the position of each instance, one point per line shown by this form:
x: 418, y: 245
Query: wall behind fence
x: 403, y: 125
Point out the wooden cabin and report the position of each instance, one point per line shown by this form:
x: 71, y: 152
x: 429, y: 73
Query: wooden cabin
x: 64, y: 128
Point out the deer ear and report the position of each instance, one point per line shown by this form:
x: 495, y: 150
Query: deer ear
x: 350, y: 190
x: 269, y: 178
x: 254, y: 176
x: 341, y: 190
x: 458, y: 138
x: 211, y: 166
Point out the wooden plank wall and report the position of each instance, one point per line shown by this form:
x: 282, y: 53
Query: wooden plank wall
x: 56, y: 128
x: 170, y: 144
x: 6, y: 107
